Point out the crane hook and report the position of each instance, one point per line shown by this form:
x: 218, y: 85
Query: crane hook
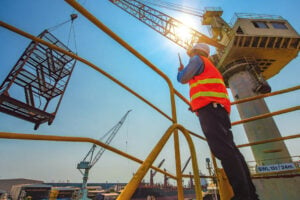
x: 73, y: 16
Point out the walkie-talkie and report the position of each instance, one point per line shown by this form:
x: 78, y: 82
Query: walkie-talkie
x: 180, y: 62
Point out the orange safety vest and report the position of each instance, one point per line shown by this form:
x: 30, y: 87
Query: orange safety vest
x: 208, y: 87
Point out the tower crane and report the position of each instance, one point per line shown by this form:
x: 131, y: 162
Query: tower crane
x: 90, y: 160
x: 164, y: 24
x: 152, y: 173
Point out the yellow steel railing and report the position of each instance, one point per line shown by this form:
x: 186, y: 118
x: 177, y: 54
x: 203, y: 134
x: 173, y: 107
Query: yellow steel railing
x: 178, y: 178
x: 173, y: 129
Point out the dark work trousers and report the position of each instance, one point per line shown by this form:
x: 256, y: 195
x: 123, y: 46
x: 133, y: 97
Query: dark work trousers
x: 216, y: 126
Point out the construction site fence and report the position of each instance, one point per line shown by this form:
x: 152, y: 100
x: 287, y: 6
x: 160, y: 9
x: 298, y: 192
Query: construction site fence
x: 172, y: 130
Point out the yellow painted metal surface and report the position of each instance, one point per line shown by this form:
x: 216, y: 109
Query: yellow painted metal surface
x: 226, y: 192
x: 224, y: 186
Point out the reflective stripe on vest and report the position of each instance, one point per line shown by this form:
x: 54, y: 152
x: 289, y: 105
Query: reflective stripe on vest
x: 209, y: 94
x: 208, y: 87
x: 209, y: 80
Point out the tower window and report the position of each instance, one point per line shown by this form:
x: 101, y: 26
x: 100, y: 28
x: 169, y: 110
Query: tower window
x: 239, y: 30
x: 260, y: 24
x: 279, y: 25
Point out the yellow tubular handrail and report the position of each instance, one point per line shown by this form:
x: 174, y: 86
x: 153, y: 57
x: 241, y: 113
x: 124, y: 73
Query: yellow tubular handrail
x: 138, y: 176
x: 100, y: 25
x: 147, y: 163
x: 93, y: 66
x: 182, y: 98
x: 176, y: 140
x: 268, y: 174
x: 249, y: 98
x: 147, y: 102
x: 133, y: 184
x: 266, y: 95
x: 266, y: 115
x: 270, y: 140
x: 114, y: 36
x: 22, y: 136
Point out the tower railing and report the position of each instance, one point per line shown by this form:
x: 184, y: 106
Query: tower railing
x: 173, y: 129
x: 253, y: 16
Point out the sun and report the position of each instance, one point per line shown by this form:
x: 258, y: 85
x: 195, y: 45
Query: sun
x: 183, y: 28
x: 183, y: 32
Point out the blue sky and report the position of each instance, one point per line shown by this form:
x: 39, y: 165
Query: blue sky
x: 93, y: 104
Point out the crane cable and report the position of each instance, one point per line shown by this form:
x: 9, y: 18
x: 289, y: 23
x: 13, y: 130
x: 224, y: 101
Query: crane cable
x: 175, y: 7
x: 71, y: 30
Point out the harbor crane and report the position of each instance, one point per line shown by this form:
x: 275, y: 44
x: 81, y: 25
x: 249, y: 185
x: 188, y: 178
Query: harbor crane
x: 186, y: 164
x: 183, y: 169
x: 164, y: 24
x: 153, y: 173
x: 191, y: 184
x: 166, y: 178
x: 90, y: 160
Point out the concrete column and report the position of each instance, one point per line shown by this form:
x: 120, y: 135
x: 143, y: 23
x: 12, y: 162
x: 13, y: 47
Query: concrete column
x: 242, y: 84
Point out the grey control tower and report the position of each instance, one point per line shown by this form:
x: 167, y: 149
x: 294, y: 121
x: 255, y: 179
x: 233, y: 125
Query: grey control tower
x: 257, y: 48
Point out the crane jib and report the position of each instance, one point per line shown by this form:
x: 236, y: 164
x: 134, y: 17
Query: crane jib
x: 164, y: 24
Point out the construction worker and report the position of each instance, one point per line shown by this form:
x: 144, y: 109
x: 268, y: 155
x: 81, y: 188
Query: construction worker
x: 209, y: 100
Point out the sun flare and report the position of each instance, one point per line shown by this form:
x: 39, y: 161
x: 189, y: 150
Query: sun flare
x: 183, y: 32
x: 183, y: 29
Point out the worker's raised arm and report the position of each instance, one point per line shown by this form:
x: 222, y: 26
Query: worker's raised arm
x: 194, y: 67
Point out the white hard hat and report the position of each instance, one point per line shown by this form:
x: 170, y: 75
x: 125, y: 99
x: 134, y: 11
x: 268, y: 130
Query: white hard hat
x: 201, y: 47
